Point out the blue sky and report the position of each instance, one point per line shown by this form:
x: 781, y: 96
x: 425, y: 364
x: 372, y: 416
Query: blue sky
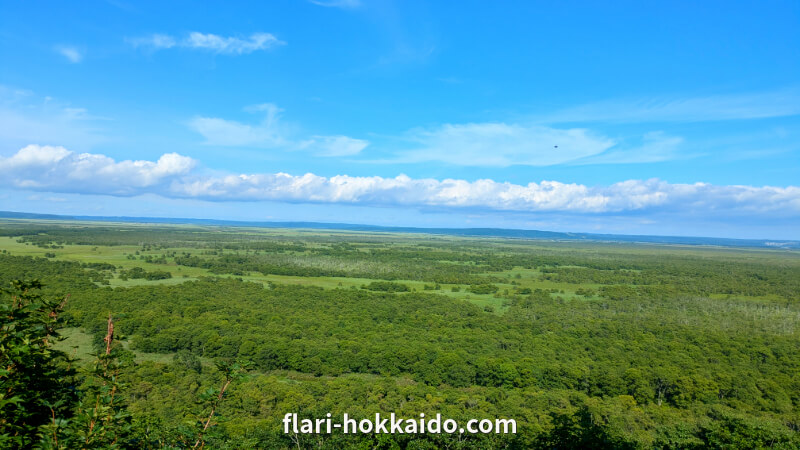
x: 678, y: 118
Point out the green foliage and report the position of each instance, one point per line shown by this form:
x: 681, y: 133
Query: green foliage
x: 483, y: 288
x: 188, y: 360
x: 589, y: 345
x: 39, y: 403
x: 139, y: 273
x: 386, y: 286
x: 36, y: 381
x: 102, y: 420
x: 212, y: 399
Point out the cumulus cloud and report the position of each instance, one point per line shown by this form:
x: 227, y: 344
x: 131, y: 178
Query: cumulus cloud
x: 229, y: 45
x: 546, y: 196
x: 499, y: 144
x: 56, y: 169
x: 72, y: 54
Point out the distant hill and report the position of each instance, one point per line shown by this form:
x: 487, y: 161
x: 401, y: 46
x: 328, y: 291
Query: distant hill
x: 483, y: 232
x: 22, y: 215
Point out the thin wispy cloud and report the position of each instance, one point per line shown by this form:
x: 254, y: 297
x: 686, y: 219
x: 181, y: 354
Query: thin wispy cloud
x: 653, y: 147
x: 404, y: 53
x: 272, y: 132
x: 26, y: 117
x: 780, y: 103
x: 228, y: 45
x: 72, y: 54
x: 334, y: 145
x: 498, y: 144
x: 490, y: 144
x: 344, y: 4
x: 56, y: 169
x: 154, y: 41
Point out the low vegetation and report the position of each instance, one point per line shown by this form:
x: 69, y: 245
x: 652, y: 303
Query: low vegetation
x: 591, y: 344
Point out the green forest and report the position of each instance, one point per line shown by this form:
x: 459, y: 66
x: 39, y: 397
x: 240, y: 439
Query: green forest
x: 189, y: 336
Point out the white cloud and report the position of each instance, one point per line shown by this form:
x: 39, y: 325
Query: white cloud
x: 56, y: 169
x: 156, y: 41
x: 72, y: 54
x: 219, y: 44
x: 779, y: 103
x: 269, y: 133
x: 546, y: 196
x: 223, y: 132
x: 211, y: 42
x: 335, y: 145
x: 272, y: 132
x: 488, y: 144
x: 500, y: 145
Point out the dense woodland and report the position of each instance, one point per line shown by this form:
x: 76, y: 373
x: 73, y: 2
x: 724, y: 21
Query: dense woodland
x: 613, y: 345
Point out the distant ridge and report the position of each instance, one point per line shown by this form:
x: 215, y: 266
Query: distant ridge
x: 477, y: 232
x: 22, y: 215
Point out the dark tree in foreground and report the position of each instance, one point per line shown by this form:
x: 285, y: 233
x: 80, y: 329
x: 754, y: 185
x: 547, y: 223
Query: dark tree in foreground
x: 43, y: 404
x: 37, y: 382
